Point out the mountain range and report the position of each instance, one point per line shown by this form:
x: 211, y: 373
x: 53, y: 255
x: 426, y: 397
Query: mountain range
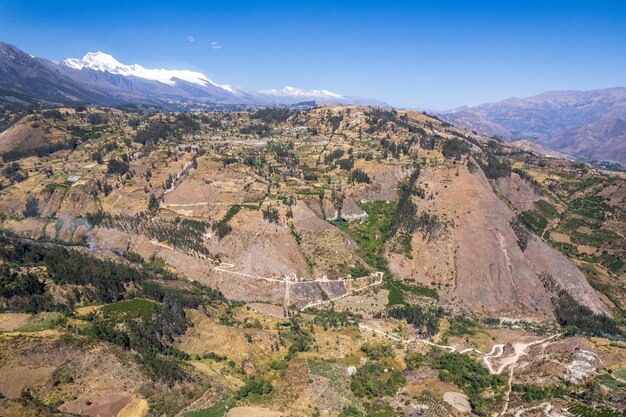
x: 98, y: 78
x: 590, y: 125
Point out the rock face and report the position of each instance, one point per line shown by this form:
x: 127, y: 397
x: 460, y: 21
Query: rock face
x: 478, y: 260
x: 351, y: 211
x: 518, y: 192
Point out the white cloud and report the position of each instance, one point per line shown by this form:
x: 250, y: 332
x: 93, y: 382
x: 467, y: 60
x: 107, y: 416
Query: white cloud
x: 191, y: 39
x: 216, y: 45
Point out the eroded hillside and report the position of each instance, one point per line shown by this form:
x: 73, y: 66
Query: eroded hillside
x: 265, y: 195
x: 324, y: 231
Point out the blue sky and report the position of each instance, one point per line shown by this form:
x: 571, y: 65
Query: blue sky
x: 427, y: 54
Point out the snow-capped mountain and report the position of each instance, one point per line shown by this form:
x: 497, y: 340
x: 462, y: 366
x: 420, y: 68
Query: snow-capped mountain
x: 99, y: 78
x: 197, y: 86
x: 105, y: 63
x: 297, y: 92
x: 99, y: 61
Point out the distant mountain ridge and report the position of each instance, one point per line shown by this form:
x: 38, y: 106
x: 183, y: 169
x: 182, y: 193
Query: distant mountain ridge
x: 99, y: 78
x: 590, y: 125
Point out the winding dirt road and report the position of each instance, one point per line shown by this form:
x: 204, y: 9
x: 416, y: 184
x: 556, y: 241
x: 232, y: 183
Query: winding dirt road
x: 497, y: 350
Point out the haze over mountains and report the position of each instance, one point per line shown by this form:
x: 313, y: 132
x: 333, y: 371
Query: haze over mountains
x: 98, y: 78
x: 590, y: 125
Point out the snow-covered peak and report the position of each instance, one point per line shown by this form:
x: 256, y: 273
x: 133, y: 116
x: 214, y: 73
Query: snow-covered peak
x: 103, y: 62
x: 99, y: 61
x: 298, y: 92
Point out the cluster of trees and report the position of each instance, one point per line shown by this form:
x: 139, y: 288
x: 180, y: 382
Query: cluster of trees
x: 336, y: 154
x: 454, y: 148
x: 13, y: 172
x: 255, y: 159
x: 284, y: 153
x: 40, y: 151
x: 93, y: 279
x: 157, y: 130
x: 334, y: 319
x: 359, y: 270
x: 575, y: 317
x: 32, y: 207
x: 150, y: 337
x: 494, y: 168
x: 521, y: 232
x: 377, y: 119
x: 23, y: 291
x: 414, y: 360
x: 429, y: 225
x: 98, y: 154
x: 272, y: 114
x: 271, y: 215
x: 118, y: 166
x: 103, y: 281
x: 104, y: 187
x: 97, y: 118
x: 54, y: 114
x: 222, y: 228
x: 255, y: 389
x: 14, y: 284
x: 300, y: 339
x: 467, y: 374
x: 406, y: 211
x: 531, y: 392
x: 346, y: 163
x: 406, y: 220
x: 335, y: 121
x: 153, y: 204
x: 374, y: 380
x: 351, y: 411
x: 398, y: 148
x: 426, y: 320
x: 427, y: 142
x: 197, y: 296
x: 259, y: 129
x: 377, y: 351
x: 184, y: 234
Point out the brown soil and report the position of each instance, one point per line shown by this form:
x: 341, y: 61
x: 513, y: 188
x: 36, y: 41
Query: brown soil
x: 251, y: 411
x: 12, y: 321
x: 98, y: 405
x: 138, y: 407
x: 518, y: 192
x: 14, y: 379
x: 207, y: 336
x: 26, y: 136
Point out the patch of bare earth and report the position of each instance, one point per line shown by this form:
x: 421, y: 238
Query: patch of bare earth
x: 14, y: 378
x: 518, y: 192
x: 12, y: 321
x: 250, y: 411
x: 98, y: 405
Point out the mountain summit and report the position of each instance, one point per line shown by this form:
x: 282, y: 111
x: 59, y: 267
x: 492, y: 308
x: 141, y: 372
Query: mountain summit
x: 99, y: 61
x: 99, y: 78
